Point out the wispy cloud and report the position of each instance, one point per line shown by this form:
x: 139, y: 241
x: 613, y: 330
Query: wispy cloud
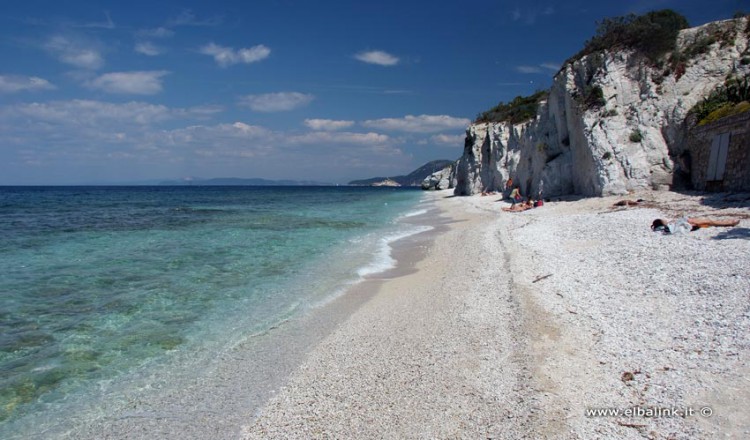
x: 75, y: 52
x: 529, y: 69
x: 160, y: 32
x: 377, y: 57
x: 418, y: 124
x: 540, y: 68
x: 148, y: 48
x: 187, y: 18
x: 135, y: 83
x: 106, y: 24
x: 16, y: 83
x: 327, y: 124
x: 227, y: 56
x: 275, y: 102
x: 448, y: 139
x: 529, y: 16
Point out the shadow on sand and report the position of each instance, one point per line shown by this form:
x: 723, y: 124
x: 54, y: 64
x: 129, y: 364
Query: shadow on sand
x: 721, y: 200
x: 734, y: 233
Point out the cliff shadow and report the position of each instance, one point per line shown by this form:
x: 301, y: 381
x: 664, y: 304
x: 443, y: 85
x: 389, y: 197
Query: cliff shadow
x: 720, y: 200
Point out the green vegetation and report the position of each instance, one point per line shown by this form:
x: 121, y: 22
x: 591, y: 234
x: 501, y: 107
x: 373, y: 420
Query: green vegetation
x: 729, y: 99
x: 652, y: 34
x: 593, y: 97
x: 636, y: 136
x: 520, y: 109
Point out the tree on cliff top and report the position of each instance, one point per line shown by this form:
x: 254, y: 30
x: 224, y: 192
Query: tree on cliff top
x: 652, y: 34
x: 520, y: 109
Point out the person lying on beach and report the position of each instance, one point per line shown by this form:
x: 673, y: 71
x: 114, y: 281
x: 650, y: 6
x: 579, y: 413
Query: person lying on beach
x: 523, y: 206
x: 694, y: 222
x: 629, y: 202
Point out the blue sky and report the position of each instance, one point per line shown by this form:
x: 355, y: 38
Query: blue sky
x: 133, y: 91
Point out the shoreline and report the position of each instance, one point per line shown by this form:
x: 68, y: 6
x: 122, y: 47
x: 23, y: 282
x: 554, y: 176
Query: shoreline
x: 238, y: 379
x: 516, y: 324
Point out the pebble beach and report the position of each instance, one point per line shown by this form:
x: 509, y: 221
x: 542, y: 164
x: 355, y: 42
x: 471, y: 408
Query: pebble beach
x: 530, y: 324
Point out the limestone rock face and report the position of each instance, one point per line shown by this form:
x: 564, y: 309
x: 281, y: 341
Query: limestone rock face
x: 629, y: 140
x: 443, y: 179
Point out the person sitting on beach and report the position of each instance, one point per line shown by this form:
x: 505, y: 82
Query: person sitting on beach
x: 515, y: 196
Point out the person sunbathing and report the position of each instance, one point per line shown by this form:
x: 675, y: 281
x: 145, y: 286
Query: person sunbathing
x: 518, y: 207
x: 629, y: 202
x: 695, y: 223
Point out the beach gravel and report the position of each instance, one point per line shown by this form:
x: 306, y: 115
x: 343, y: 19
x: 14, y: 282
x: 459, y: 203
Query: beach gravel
x: 515, y: 325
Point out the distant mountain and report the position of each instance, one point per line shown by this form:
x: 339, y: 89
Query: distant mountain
x: 236, y: 181
x: 414, y: 178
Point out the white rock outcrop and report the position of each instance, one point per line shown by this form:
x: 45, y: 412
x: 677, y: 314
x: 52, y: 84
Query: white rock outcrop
x: 628, y: 143
x: 443, y: 179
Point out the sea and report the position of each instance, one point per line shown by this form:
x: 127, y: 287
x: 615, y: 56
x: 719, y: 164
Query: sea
x: 98, y: 284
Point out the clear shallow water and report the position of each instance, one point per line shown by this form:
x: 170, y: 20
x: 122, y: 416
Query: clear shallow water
x: 97, y: 282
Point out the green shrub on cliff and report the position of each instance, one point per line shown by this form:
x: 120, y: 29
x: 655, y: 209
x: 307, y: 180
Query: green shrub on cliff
x: 652, y: 34
x: 726, y: 100
x: 520, y: 109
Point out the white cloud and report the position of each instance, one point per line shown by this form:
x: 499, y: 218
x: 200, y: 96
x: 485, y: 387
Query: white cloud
x: 14, y: 83
x: 418, y: 124
x: 275, y: 102
x: 448, y: 139
x: 135, y: 83
x: 157, y: 141
x: 554, y: 67
x: 227, y: 56
x: 148, y: 48
x: 327, y: 124
x: 377, y: 57
x: 92, y: 113
x: 76, y: 53
x: 160, y: 32
x: 323, y: 137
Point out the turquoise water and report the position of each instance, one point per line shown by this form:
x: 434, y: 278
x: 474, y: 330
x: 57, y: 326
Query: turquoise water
x: 99, y: 281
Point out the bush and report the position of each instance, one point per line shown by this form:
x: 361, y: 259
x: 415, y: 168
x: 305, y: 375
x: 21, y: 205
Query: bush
x: 652, y: 34
x: 593, y: 97
x: 721, y: 101
x: 636, y: 136
x: 520, y: 109
x: 724, y: 111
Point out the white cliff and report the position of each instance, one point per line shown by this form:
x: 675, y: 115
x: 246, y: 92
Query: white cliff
x: 632, y: 141
x: 439, y: 180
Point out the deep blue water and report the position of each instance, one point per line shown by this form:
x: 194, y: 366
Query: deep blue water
x: 97, y: 281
